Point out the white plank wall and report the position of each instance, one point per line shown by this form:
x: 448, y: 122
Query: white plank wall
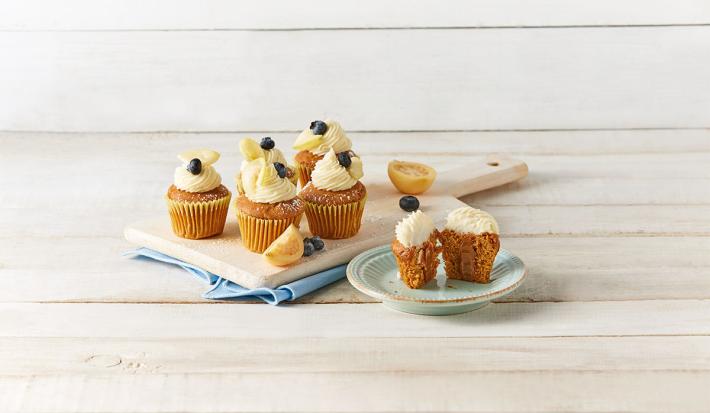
x: 607, y: 101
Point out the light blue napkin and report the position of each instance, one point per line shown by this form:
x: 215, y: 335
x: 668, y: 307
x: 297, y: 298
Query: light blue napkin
x: 224, y: 289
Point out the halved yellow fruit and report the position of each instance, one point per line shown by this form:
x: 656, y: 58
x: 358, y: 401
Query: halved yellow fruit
x: 307, y: 140
x: 250, y: 149
x: 286, y: 249
x: 410, y: 177
x: 206, y: 156
x: 355, y: 169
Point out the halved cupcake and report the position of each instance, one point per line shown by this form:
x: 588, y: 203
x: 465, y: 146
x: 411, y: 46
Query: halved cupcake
x: 470, y: 243
x: 252, y: 153
x: 265, y: 210
x: 415, y: 249
x: 335, y: 198
x: 197, y: 200
x: 314, y: 142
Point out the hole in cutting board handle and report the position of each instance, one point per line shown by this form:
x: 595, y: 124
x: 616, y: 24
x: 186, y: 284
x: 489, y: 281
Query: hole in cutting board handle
x: 493, y: 163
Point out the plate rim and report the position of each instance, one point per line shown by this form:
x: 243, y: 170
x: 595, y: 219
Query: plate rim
x: 354, y: 281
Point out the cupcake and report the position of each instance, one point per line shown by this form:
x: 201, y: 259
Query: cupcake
x: 335, y: 198
x: 267, y: 207
x: 470, y: 243
x: 313, y: 143
x: 252, y: 152
x: 415, y: 249
x: 197, y: 200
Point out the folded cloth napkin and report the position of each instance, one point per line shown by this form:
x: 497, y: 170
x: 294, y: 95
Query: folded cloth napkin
x: 224, y: 289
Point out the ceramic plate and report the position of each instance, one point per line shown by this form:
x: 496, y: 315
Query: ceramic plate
x: 374, y: 272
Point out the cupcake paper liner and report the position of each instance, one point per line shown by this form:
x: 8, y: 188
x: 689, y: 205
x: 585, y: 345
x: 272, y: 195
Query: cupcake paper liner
x: 195, y: 220
x: 304, y: 172
x: 335, y: 221
x: 258, y: 234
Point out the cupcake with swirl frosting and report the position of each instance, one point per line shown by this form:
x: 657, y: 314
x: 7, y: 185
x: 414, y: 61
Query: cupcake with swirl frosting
x: 267, y: 207
x: 335, y: 198
x: 314, y: 142
x: 197, y: 200
x: 415, y: 249
x: 470, y: 243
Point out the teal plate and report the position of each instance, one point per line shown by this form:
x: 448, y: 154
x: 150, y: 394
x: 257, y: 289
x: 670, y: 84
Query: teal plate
x: 374, y: 272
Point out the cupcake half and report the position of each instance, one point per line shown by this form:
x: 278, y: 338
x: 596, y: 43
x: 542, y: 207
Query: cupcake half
x: 335, y: 198
x: 470, y: 243
x: 251, y: 165
x: 267, y: 207
x: 197, y: 200
x: 415, y: 249
x: 314, y: 142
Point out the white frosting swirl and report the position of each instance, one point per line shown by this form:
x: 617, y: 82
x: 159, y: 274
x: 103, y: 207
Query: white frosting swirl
x: 207, y: 180
x: 270, y: 188
x: 330, y: 175
x: 414, y: 229
x: 471, y: 220
x: 333, y: 138
x: 274, y: 155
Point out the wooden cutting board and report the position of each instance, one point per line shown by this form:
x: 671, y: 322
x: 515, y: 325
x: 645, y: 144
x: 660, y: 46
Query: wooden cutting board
x: 224, y: 255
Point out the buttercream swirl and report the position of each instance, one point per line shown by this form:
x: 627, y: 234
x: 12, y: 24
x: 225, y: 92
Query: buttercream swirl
x: 207, y: 180
x: 274, y: 155
x: 330, y: 175
x: 471, y: 220
x: 414, y: 229
x: 333, y: 138
x: 270, y: 188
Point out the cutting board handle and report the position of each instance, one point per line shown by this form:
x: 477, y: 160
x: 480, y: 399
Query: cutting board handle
x: 496, y: 170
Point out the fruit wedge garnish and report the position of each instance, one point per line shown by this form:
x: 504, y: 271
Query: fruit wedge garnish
x: 206, y: 156
x: 355, y: 169
x: 307, y: 140
x: 286, y: 249
x: 410, y: 177
x: 250, y: 149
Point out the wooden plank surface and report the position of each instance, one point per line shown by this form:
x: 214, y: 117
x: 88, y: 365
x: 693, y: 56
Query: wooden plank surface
x: 612, y: 225
x: 319, y: 14
x: 547, y: 319
x: 266, y: 80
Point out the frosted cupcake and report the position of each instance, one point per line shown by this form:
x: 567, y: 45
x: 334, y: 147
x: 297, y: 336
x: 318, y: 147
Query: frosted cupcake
x: 314, y: 142
x: 415, y: 249
x: 197, y: 200
x: 335, y: 198
x: 252, y: 153
x: 268, y: 207
x: 470, y: 243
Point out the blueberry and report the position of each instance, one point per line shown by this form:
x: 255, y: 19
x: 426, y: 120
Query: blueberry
x: 280, y: 169
x: 195, y: 166
x: 344, y: 159
x: 308, y: 248
x: 267, y: 143
x: 317, y: 243
x: 318, y: 127
x: 409, y: 203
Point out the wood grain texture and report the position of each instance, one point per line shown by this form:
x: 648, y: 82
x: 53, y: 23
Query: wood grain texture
x: 682, y: 391
x: 145, y: 356
x: 234, y: 80
x: 320, y: 14
x: 607, y: 318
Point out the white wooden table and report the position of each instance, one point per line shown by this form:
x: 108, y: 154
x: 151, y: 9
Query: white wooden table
x: 607, y: 102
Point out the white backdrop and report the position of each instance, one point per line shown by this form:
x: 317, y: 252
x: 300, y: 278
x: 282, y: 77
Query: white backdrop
x: 188, y: 65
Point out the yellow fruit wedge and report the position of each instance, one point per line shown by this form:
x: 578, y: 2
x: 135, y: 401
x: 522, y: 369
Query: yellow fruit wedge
x: 206, y: 156
x: 286, y: 249
x: 410, y: 177
x: 250, y: 149
x: 307, y: 140
x: 355, y: 169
